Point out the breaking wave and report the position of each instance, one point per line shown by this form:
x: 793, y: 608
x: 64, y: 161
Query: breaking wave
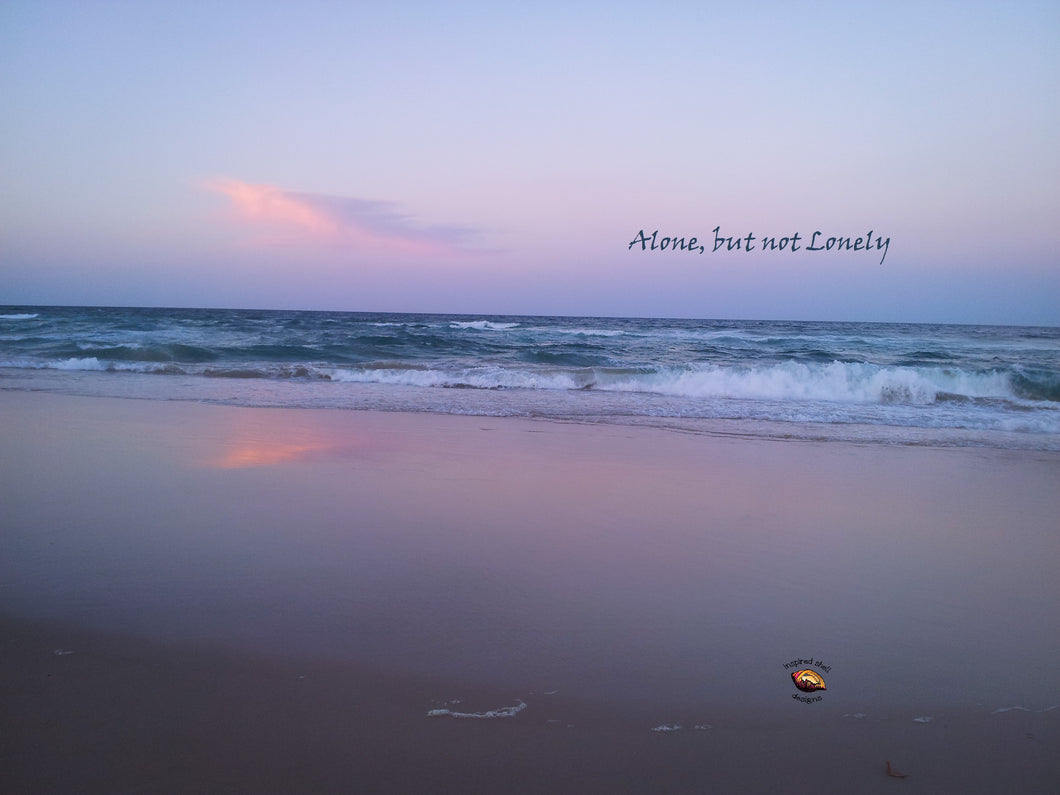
x: 837, y: 381
x: 482, y: 325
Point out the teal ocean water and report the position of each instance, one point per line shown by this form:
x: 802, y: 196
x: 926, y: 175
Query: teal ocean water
x: 894, y: 383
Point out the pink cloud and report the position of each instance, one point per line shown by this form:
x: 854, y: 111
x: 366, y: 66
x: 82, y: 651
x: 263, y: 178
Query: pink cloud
x: 312, y: 217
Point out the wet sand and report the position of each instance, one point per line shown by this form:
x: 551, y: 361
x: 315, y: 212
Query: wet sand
x: 126, y: 715
x: 273, y: 600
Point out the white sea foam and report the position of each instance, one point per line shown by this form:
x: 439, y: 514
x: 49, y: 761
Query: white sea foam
x: 479, y: 378
x: 924, y: 719
x: 89, y: 363
x: 667, y: 727
x: 791, y: 381
x: 1024, y: 709
x: 837, y: 381
x: 93, y: 364
x: 482, y: 325
x: 19, y: 316
x: 503, y: 712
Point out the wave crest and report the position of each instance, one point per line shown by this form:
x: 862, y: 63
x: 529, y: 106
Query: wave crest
x: 837, y: 381
x: 482, y: 325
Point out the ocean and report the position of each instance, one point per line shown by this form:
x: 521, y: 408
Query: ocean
x: 892, y: 383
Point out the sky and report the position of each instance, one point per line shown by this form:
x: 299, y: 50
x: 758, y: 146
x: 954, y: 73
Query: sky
x: 499, y: 158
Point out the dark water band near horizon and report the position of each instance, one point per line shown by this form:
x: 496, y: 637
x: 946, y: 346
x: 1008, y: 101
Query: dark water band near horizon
x: 994, y: 386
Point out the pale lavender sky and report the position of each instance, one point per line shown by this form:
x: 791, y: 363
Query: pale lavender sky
x: 499, y: 158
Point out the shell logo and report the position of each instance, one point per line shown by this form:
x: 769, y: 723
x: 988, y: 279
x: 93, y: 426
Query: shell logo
x: 807, y: 681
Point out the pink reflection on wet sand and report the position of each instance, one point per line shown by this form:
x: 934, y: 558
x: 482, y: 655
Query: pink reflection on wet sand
x: 274, y: 437
x: 254, y: 453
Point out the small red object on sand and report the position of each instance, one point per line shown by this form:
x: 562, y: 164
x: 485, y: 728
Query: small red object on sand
x: 892, y: 772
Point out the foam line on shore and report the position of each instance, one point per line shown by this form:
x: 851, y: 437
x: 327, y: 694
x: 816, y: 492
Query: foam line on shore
x: 502, y: 712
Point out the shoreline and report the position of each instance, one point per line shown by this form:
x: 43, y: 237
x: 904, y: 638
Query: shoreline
x: 193, y: 390
x: 198, y: 559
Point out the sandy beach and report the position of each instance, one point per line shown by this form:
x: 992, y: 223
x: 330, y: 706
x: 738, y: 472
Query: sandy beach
x: 201, y: 598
